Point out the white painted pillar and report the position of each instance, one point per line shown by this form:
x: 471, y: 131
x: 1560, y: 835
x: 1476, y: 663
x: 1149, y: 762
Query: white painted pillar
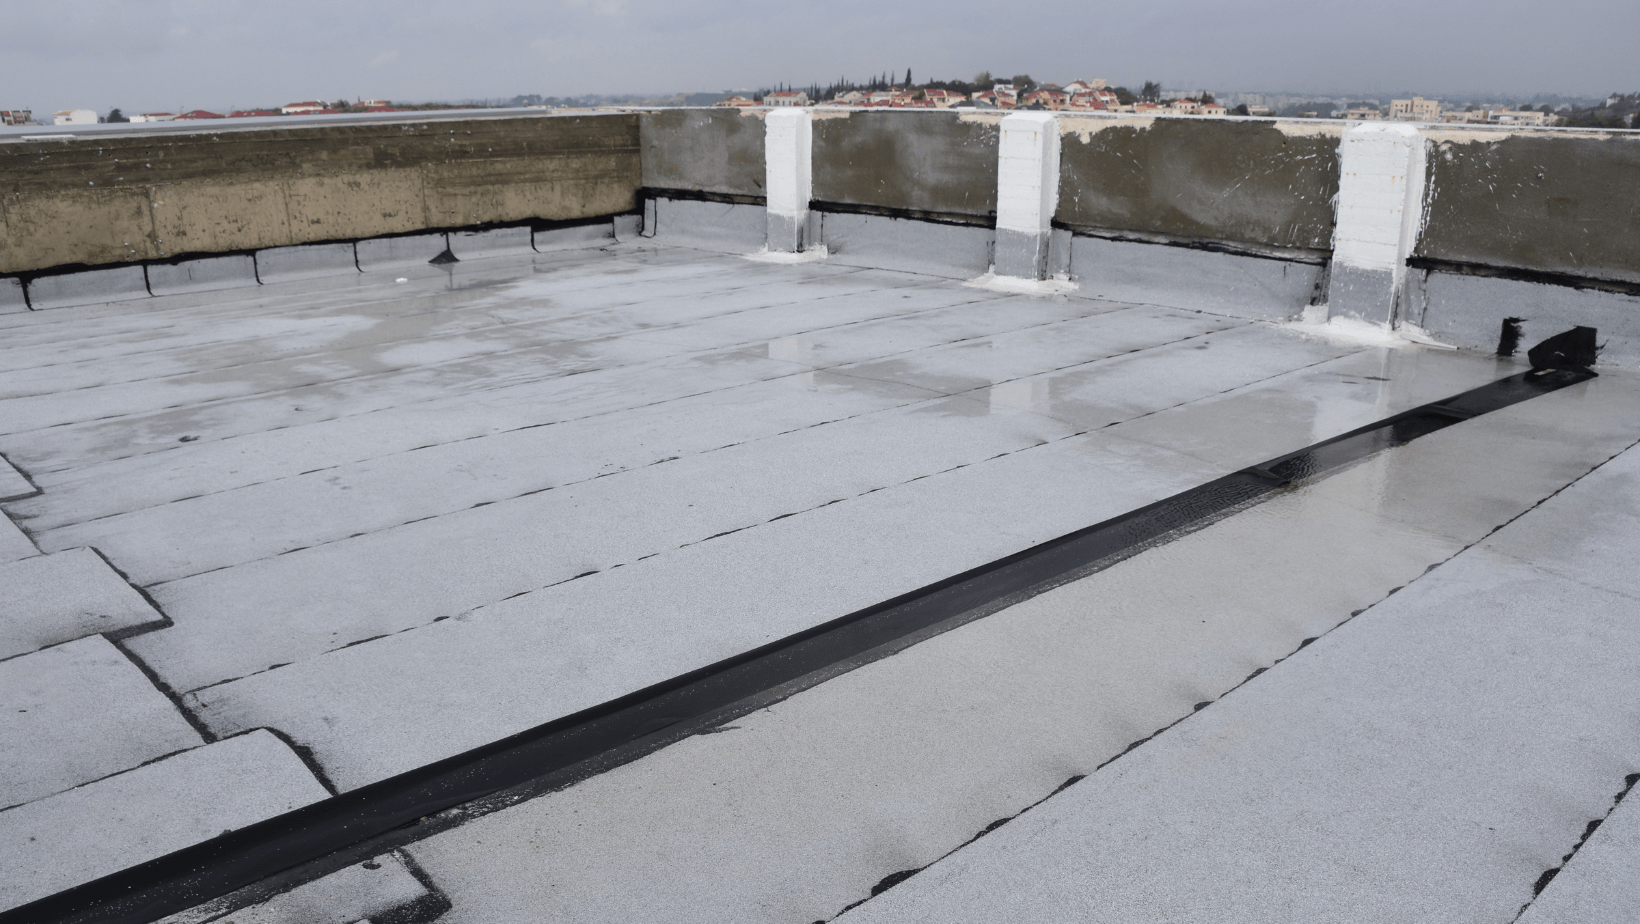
x: 787, y: 149
x: 1381, y: 179
x: 1027, y: 193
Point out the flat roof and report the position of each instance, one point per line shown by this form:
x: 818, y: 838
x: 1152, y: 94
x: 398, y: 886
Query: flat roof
x: 362, y: 523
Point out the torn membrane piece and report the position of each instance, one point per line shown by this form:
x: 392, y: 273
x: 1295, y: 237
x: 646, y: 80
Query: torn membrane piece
x: 1573, y: 349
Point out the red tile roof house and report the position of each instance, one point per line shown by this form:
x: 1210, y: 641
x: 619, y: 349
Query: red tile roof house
x: 786, y: 98
x: 199, y: 114
x: 1053, y: 99
x: 1087, y: 101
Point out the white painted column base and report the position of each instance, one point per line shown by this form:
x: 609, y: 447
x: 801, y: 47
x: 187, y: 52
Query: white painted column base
x: 1027, y: 193
x: 1380, y: 215
x: 787, y: 150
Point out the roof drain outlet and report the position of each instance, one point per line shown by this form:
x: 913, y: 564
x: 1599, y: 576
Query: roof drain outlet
x: 362, y: 823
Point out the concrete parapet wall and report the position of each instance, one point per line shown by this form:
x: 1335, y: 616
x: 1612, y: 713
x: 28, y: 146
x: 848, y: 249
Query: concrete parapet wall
x: 1555, y: 202
x: 1549, y: 211
x: 703, y: 150
x: 931, y: 164
x: 133, y: 197
x: 1266, y: 185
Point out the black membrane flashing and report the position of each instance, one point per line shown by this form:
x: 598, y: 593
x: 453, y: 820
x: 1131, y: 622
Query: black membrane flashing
x: 373, y: 819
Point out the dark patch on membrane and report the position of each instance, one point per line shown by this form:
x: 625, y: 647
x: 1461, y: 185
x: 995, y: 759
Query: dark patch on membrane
x: 1544, y: 880
x: 596, y: 739
x: 1509, y: 337
x: 892, y: 880
x: 445, y: 258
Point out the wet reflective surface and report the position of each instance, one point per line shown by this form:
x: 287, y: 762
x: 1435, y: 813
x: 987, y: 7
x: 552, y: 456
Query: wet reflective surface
x: 398, y: 521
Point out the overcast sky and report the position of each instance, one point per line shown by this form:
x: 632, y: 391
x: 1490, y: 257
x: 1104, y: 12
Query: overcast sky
x: 221, y: 54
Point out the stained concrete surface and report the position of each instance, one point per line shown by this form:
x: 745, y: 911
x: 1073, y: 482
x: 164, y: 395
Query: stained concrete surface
x: 941, y: 163
x: 1552, y: 202
x: 1254, y: 182
x: 705, y: 150
x: 418, y: 478
x: 151, y: 193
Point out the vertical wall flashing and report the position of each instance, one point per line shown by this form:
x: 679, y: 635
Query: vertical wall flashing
x: 789, y: 178
x: 1382, y: 171
x: 1027, y: 193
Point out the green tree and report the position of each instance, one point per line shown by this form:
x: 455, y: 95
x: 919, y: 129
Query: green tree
x: 1152, y: 92
x: 1022, y: 82
x: 1240, y: 110
x: 115, y: 115
x: 983, y: 80
x: 1206, y: 98
x: 1125, y: 96
x: 908, y: 78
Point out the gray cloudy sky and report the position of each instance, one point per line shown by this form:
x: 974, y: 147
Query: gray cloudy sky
x: 216, y: 54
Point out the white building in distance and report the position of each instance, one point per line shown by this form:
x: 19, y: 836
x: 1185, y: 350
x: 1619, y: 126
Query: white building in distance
x: 75, y: 117
x: 1416, y: 109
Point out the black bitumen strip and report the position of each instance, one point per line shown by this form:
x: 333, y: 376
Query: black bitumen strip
x: 699, y: 195
x: 339, y: 830
x: 987, y: 220
x: 1521, y: 274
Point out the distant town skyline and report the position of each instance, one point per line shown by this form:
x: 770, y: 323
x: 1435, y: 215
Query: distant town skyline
x: 99, y: 54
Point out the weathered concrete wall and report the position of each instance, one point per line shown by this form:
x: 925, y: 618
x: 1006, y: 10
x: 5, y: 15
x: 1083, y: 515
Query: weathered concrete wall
x: 123, y: 198
x: 1547, y: 201
x: 703, y: 150
x: 935, y: 164
x: 1264, y: 184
